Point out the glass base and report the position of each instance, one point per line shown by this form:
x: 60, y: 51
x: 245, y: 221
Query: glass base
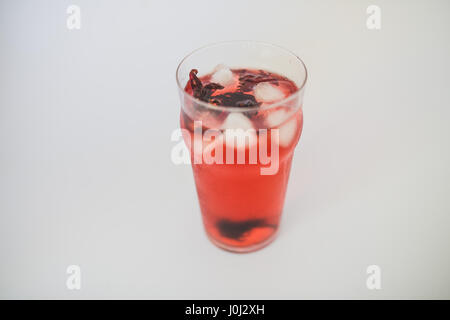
x: 248, y: 249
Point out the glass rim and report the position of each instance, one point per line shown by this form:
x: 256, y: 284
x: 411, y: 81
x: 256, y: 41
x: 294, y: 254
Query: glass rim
x: 241, y: 109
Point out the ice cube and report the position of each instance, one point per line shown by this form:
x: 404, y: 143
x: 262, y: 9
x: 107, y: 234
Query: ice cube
x: 236, y: 120
x: 288, y: 130
x: 223, y: 75
x: 266, y: 92
x: 239, y: 127
x: 276, y: 117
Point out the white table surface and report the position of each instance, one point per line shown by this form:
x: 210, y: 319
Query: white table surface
x: 86, y: 178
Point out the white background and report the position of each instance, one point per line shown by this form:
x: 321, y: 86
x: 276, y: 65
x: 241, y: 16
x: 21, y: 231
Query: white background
x: 86, y: 178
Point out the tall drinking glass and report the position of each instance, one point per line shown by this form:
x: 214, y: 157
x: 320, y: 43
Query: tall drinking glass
x: 241, y: 118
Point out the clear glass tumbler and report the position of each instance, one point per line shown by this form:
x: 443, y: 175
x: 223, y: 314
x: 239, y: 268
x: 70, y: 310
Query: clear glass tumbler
x: 241, y: 200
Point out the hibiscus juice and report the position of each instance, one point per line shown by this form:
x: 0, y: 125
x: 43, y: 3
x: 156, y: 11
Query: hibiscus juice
x: 241, y: 207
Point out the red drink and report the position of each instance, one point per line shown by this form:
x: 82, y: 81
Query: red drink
x: 241, y: 207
